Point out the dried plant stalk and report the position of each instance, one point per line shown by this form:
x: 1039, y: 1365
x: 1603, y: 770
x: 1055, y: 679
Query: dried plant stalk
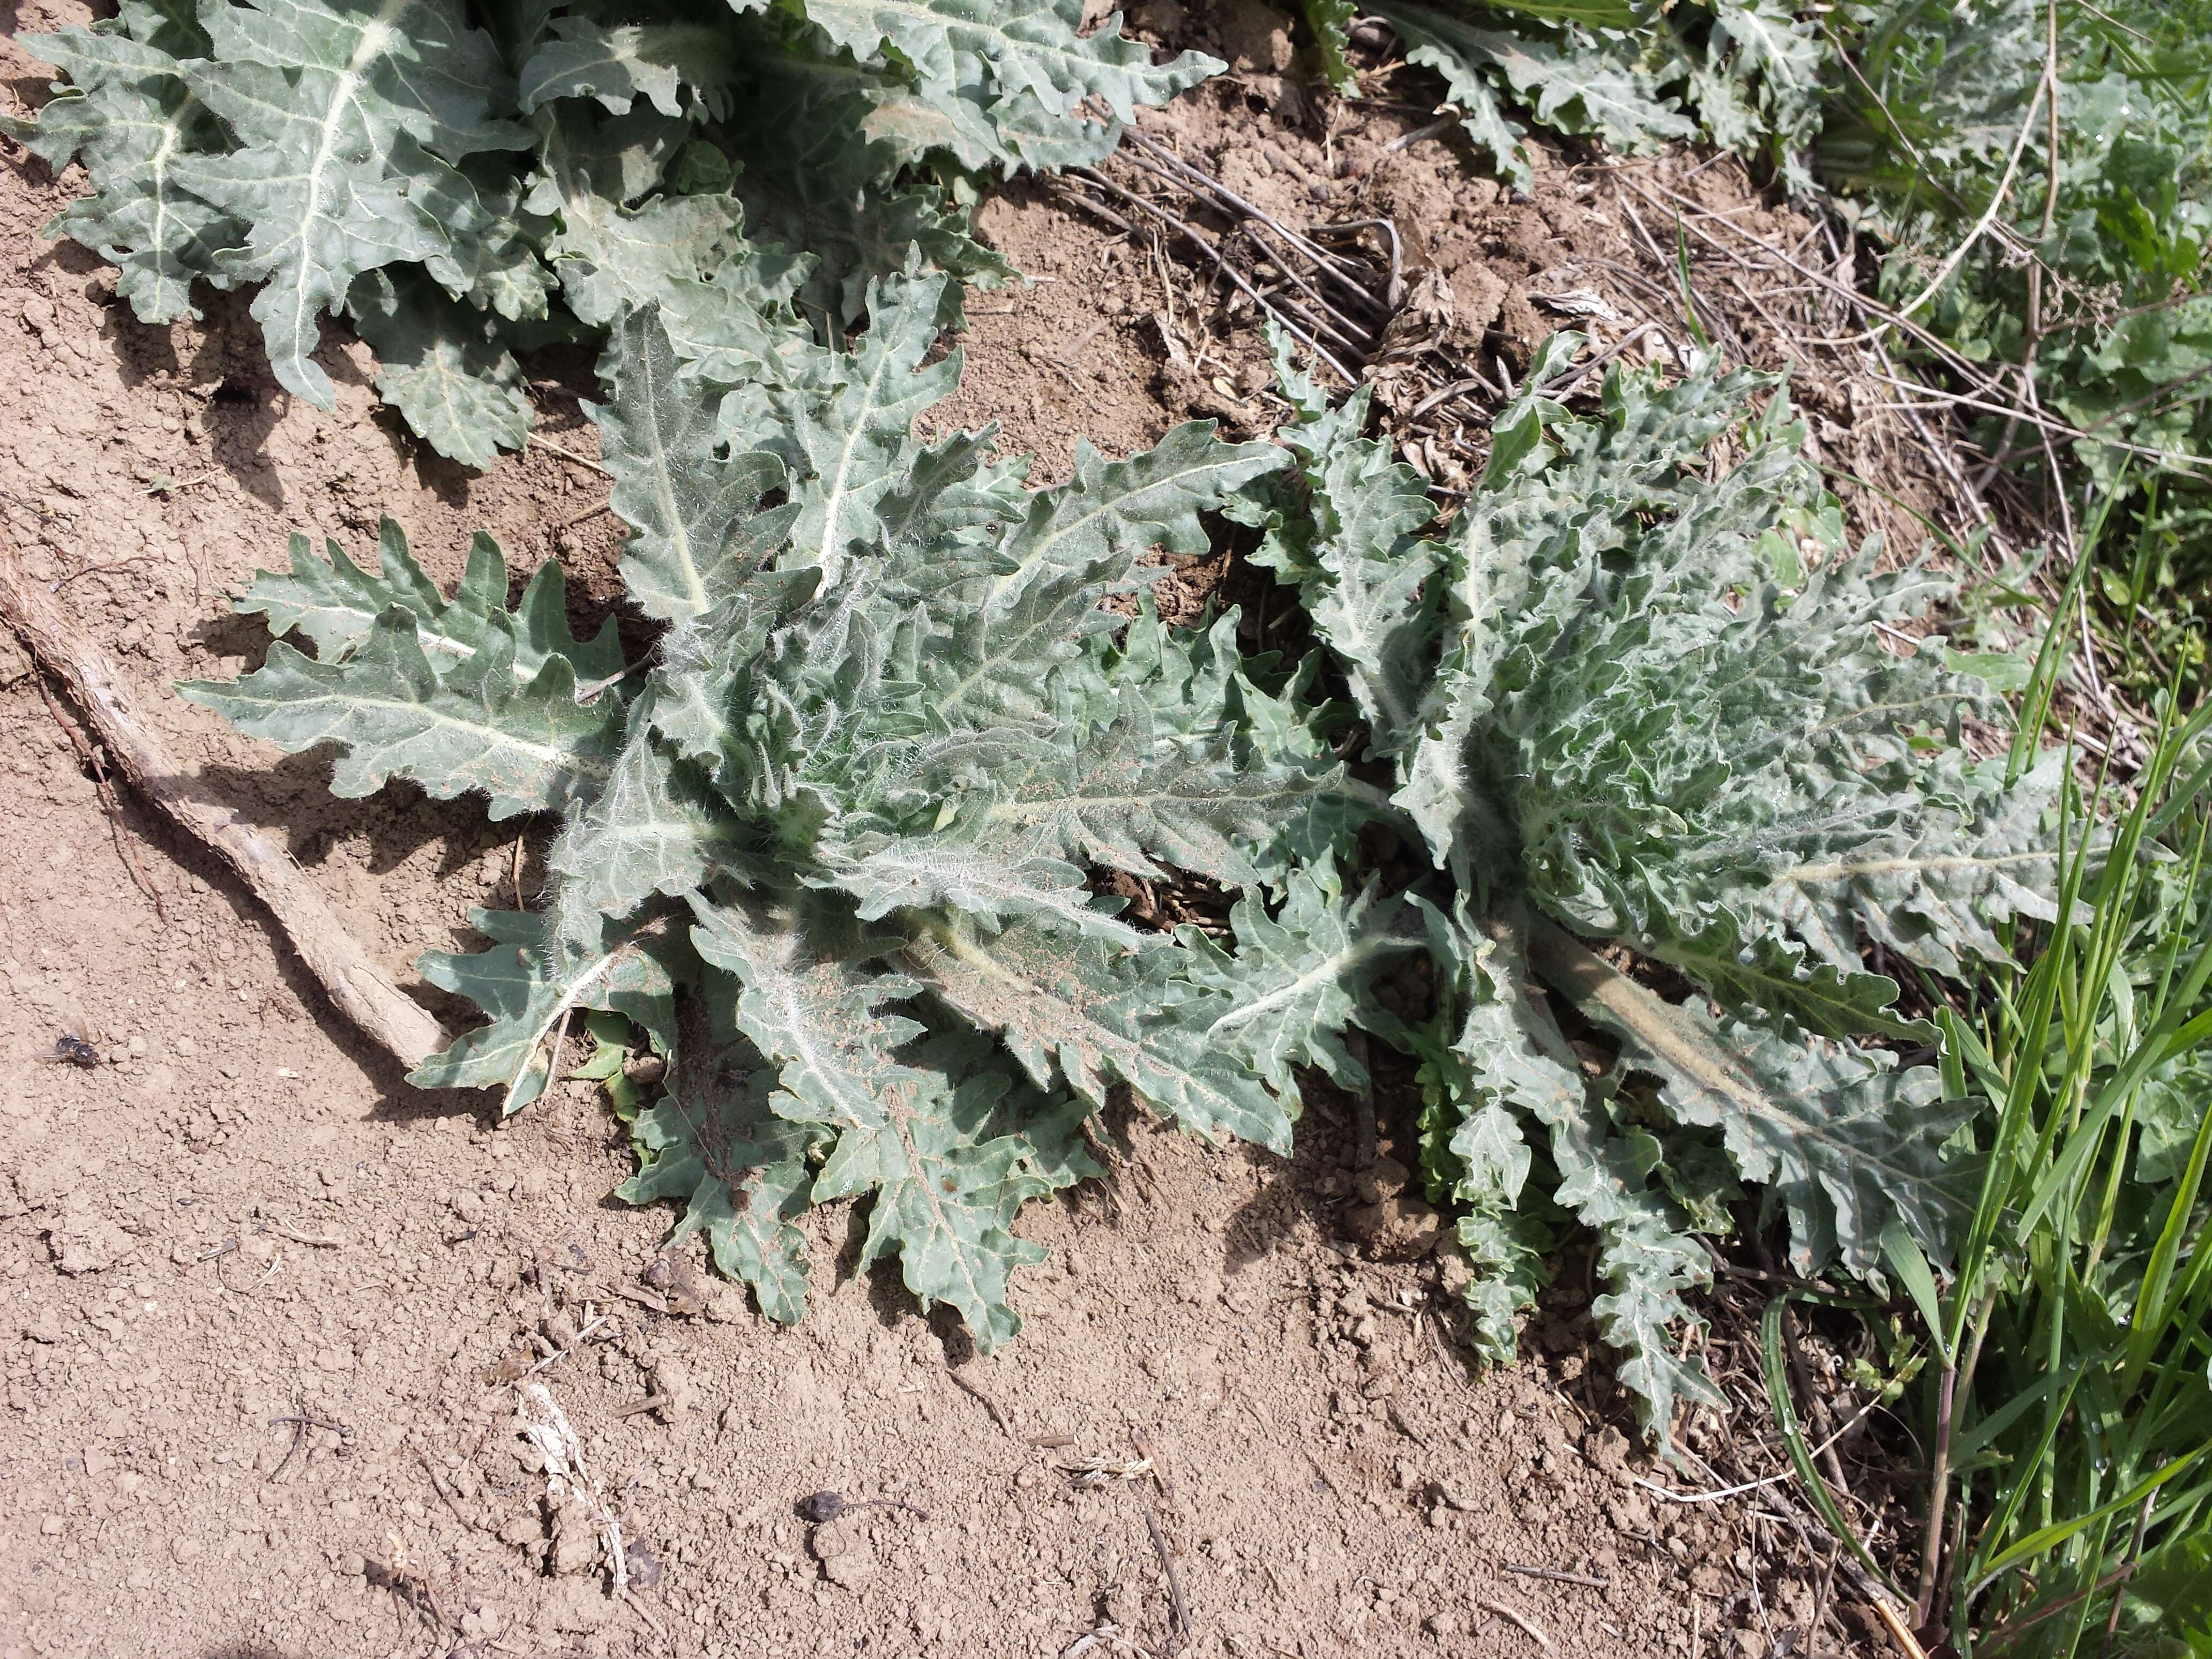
x: 362, y: 990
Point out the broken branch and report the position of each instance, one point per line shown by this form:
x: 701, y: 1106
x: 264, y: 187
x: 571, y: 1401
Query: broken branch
x: 363, y: 992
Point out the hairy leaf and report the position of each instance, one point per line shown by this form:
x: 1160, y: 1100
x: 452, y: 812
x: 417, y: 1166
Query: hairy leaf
x: 531, y: 980
x: 1097, y: 1013
x: 1847, y: 1141
x: 848, y: 419
x: 132, y: 121
x: 1296, y: 979
x: 818, y: 184
x: 1076, y: 543
x: 336, y: 604
x: 1366, y: 579
x: 342, y: 112
x: 442, y: 367
x: 951, y: 1147
x: 528, y: 745
x: 1655, y: 704
x: 1032, y: 47
x: 621, y: 64
x: 740, y: 1172
x: 692, y: 508
x: 950, y: 1173
x: 1331, y: 22
x: 655, y: 826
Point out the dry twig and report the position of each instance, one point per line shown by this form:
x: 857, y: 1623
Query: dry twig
x: 1178, y: 1611
x: 1529, y: 1626
x: 984, y: 1399
x: 363, y: 992
x: 316, y: 1241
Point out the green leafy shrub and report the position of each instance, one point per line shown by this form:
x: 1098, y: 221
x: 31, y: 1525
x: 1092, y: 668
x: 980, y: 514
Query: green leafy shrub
x: 838, y: 842
x: 461, y: 184
x: 851, y: 799
x: 855, y: 802
x: 1625, y: 703
x: 1745, y: 73
x: 1922, y: 131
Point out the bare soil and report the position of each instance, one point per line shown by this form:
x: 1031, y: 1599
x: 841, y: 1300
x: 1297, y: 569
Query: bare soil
x: 263, y: 1307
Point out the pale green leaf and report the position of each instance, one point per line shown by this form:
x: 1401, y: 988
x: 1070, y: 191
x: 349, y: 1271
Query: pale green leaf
x: 1847, y: 1140
x: 656, y: 826
x: 950, y: 1170
x: 847, y: 420
x: 339, y: 111
x: 620, y: 64
x: 739, y: 1170
x: 698, y: 534
x: 529, y: 981
x: 1296, y: 979
x: 1367, y: 581
x: 443, y: 367
x: 1097, y: 1013
x: 528, y: 745
x: 132, y: 122
x: 334, y: 603
x: 951, y: 1147
x: 1033, y: 46
x: 1077, y: 543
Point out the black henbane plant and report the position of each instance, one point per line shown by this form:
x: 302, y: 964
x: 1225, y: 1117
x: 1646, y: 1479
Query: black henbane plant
x: 852, y: 800
x: 1627, y: 703
x: 463, y: 181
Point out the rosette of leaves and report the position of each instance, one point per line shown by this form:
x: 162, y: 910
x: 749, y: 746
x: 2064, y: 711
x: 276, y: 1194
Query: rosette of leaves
x: 461, y: 183
x: 1745, y: 73
x: 853, y: 804
x: 2110, y: 242
x: 1636, y: 710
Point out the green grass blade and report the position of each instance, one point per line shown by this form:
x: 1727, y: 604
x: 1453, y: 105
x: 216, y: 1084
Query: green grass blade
x: 2149, y: 1326
x: 1912, y: 1272
x: 1793, y: 1434
x: 2045, y: 1538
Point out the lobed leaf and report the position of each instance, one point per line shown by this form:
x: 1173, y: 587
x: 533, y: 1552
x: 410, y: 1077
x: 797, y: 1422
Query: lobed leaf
x: 1296, y: 979
x: 343, y: 113
x: 1077, y: 543
x: 741, y: 1173
x: 1026, y: 46
x: 1645, y: 1252
x: 1365, y: 577
x: 443, y: 367
x: 336, y: 604
x: 951, y: 1147
x: 133, y: 122
x: 1849, y: 1142
x: 1097, y: 1013
x: 844, y: 422
x: 698, y: 533
x: 529, y: 745
x: 530, y: 979
x: 657, y: 827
